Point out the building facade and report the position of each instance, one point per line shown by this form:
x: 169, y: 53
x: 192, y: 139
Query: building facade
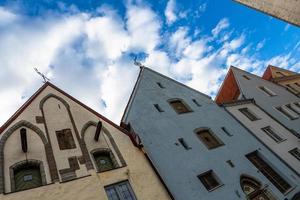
x: 266, y: 129
x: 199, y: 149
x: 55, y: 147
x: 288, y: 79
x: 288, y: 10
x: 275, y: 99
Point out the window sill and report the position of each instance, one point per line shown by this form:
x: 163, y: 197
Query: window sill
x: 213, y: 189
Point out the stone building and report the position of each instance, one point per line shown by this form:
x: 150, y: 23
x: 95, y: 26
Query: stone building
x: 288, y: 79
x: 266, y: 129
x: 55, y: 147
x: 287, y: 10
x: 199, y: 149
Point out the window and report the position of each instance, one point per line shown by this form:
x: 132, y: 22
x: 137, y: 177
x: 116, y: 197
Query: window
x: 296, y: 153
x: 297, y: 84
x: 246, y: 77
x: 272, y: 134
x: 280, y: 74
x: 209, y: 139
x: 209, y: 180
x: 184, y: 144
x: 297, y: 104
x: 291, y: 107
x: 226, y: 131
x: 104, y: 161
x: 158, y: 108
x: 179, y: 106
x: 120, y: 191
x: 291, y: 88
x: 65, y: 139
x: 267, y: 91
x: 160, y: 85
x: 285, y: 112
x: 196, y: 102
x: 27, y: 177
x: 278, y: 181
x: 248, y: 114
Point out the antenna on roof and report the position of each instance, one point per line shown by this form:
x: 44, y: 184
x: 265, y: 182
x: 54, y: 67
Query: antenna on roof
x: 45, y: 79
x: 137, y: 63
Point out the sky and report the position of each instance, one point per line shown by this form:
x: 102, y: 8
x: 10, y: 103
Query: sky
x: 87, y: 47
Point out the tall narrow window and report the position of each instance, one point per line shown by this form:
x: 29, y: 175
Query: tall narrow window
x: 65, y: 139
x: 183, y: 143
x: 209, y: 139
x: 158, y: 108
x: 272, y: 134
x: 209, y: 180
x: 196, y: 103
x: 267, y: 91
x: 286, y: 113
x: 279, y: 182
x: 120, y: 191
x: 160, y: 85
x: 248, y: 114
x: 179, y: 106
x: 296, y: 153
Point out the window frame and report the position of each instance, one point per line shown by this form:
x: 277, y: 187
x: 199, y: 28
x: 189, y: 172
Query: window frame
x: 67, y: 136
x: 104, y: 151
x: 285, y: 112
x: 269, y: 131
x: 214, y: 136
x: 249, y: 114
x: 295, y: 154
x: 214, y: 176
x: 116, y: 186
x: 188, y: 108
x: 267, y: 91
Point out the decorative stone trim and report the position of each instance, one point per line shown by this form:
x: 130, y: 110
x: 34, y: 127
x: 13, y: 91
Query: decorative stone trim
x: 22, y: 163
x: 82, y: 146
x: 111, y: 140
x: 8, y: 133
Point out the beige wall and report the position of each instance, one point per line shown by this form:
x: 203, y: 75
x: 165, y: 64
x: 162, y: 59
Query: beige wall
x: 282, y: 148
x: 146, y: 185
x: 287, y: 10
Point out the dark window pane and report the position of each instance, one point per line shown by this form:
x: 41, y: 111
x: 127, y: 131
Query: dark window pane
x: 27, y: 177
x: 120, y: 191
x: 271, y: 133
x: 103, y: 161
x: 248, y: 114
x: 179, y: 106
x: 209, y: 139
x: 209, y: 180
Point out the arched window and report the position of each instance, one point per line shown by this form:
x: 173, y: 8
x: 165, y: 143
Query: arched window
x: 104, y: 160
x: 253, y: 189
x: 26, y: 176
x: 179, y: 106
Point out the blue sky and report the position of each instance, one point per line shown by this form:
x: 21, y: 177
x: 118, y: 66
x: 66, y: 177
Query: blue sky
x: 86, y: 47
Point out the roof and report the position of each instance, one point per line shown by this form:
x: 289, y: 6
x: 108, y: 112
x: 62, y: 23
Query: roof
x: 28, y: 102
x: 136, y: 87
x: 269, y: 73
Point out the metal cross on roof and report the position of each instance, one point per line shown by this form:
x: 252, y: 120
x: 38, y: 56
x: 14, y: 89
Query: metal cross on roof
x: 45, y: 79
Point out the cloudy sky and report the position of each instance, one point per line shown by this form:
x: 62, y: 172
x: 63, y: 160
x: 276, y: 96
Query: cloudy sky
x: 87, y: 47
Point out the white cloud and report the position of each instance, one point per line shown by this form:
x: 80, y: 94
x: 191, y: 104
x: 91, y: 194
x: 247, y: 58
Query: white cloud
x: 170, y: 12
x: 6, y: 16
x: 179, y: 40
x: 223, y: 24
x: 260, y: 45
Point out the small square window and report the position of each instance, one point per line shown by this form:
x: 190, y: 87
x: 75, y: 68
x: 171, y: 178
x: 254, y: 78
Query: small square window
x: 209, y: 180
x: 296, y: 153
x: 179, y: 106
x: 209, y: 139
x: 248, y: 114
x: 65, y: 139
